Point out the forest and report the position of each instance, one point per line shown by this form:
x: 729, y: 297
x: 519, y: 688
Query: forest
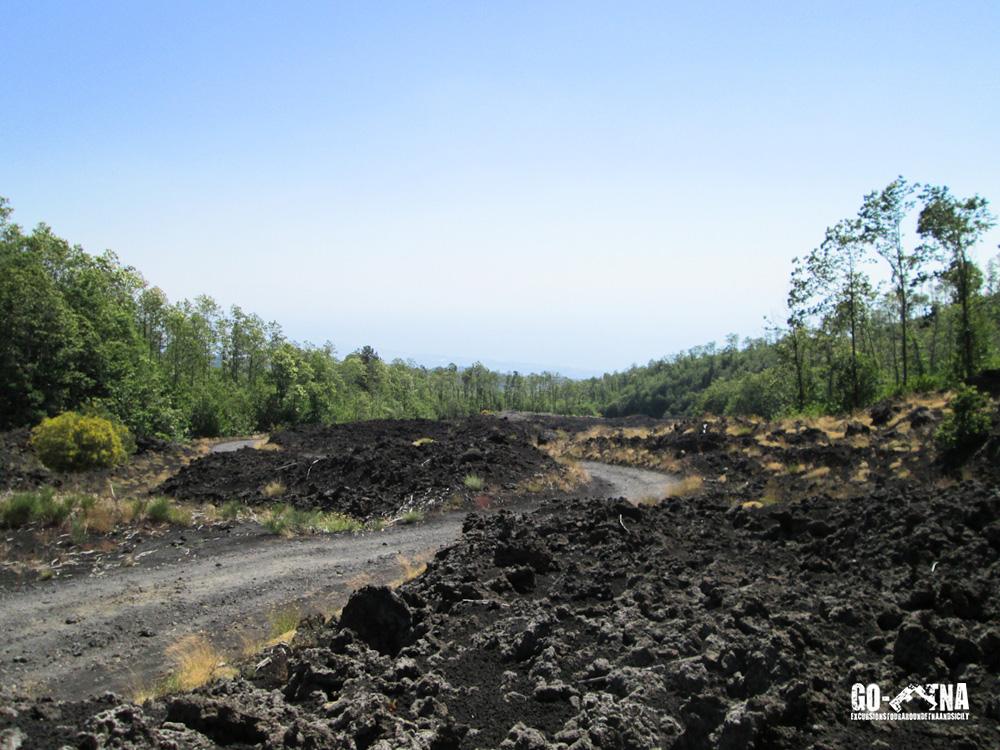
x: 890, y: 300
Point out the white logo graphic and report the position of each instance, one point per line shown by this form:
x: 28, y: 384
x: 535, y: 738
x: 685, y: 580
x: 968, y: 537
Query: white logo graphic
x: 935, y: 702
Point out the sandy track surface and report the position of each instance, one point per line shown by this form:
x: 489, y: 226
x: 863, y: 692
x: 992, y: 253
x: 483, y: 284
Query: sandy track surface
x: 78, y: 638
x: 89, y: 635
x: 634, y: 485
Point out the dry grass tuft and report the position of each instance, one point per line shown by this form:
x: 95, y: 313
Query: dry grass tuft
x: 100, y: 519
x: 566, y: 478
x: 273, y: 489
x: 689, y: 485
x: 196, y: 663
x: 817, y: 473
x: 410, y: 568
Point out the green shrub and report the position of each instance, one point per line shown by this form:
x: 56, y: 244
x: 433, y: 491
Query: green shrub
x: 926, y: 384
x: 73, y: 442
x: 18, y: 510
x: 159, y: 511
x: 968, y: 425
x: 231, y: 510
x: 78, y: 530
x: 52, y: 511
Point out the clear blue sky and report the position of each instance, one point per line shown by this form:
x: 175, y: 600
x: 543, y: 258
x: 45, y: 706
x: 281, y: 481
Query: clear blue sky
x: 574, y: 185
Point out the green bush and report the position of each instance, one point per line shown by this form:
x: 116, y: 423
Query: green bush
x: 473, y: 482
x: 52, y: 511
x: 73, y: 442
x: 159, y: 511
x: 968, y: 425
x: 18, y: 510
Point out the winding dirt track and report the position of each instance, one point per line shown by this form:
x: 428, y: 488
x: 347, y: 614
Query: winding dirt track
x: 82, y: 637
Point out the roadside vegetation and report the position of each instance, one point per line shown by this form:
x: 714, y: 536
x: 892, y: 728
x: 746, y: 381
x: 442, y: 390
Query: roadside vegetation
x: 286, y: 520
x: 82, y: 514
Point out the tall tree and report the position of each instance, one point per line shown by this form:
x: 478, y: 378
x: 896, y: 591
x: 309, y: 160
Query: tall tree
x: 882, y: 215
x: 841, y: 290
x: 955, y: 225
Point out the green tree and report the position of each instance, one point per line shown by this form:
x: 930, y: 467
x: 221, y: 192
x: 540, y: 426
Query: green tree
x: 837, y: 288
x: 955, y: 225
x: 882, y: 215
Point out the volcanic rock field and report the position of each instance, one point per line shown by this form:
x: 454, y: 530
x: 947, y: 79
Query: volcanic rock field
x: 736, y: 614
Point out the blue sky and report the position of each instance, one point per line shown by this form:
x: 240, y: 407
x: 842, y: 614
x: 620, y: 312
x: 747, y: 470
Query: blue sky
x: 577, y: 186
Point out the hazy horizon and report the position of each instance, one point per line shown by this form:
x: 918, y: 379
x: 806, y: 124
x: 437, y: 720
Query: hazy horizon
x: 572, y: 187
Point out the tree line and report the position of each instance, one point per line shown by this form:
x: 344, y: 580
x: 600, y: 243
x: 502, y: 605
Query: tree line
x: 934, y: 321
x: 86, y: 332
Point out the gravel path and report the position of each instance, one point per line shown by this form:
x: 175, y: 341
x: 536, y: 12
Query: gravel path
x: 80, y: 637
x: 634, y: 485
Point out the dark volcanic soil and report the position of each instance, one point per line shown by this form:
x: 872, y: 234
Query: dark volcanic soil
x: 704, y: 622
x: 368, y: 468
x: 601, y: 625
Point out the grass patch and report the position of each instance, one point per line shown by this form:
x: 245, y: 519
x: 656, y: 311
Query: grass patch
x: 336, y: 523
x: 284, y: 520
x: 37, y: 506
x: 231, y: 510
x: 283, y: 622
x: 473, y: 482
x: 411, y: 517
x: 165, y: 510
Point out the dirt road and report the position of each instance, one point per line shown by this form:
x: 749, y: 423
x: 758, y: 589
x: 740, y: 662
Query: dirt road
x: 634, y: 485
x: 81, y: 637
